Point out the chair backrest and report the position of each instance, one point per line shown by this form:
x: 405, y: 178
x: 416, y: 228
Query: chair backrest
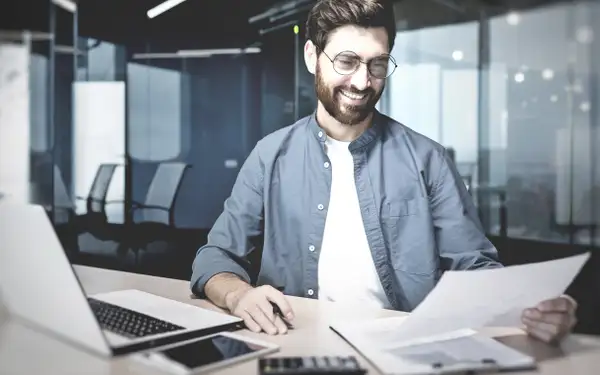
x: 162, y: 192
x: 97, y: 195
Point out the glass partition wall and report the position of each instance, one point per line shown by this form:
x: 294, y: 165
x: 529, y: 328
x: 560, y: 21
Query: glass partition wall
x: 516, y: 101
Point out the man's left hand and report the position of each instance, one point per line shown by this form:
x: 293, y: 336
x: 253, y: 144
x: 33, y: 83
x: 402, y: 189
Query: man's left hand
x: 551, y: 320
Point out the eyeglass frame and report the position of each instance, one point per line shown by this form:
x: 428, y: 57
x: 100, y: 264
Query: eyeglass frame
x: 390, y: 58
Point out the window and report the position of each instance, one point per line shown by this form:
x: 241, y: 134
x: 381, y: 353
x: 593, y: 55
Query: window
x: 155, y: 112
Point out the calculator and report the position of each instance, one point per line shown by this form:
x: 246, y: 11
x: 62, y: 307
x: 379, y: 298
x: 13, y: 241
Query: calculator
x: 314, y: 365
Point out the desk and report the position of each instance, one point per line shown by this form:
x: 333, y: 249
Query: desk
x: 24, y: 350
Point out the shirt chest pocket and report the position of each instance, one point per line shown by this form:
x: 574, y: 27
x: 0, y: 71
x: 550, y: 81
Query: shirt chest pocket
x: 399, y: 208
x: 408, y: 233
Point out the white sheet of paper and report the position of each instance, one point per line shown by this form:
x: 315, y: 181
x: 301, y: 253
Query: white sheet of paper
x: 461, y: 303
x: 458, y: 350
x: 457, y: 355
x: 489, y: 297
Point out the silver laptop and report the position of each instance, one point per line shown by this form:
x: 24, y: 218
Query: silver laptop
x: 39, y: 286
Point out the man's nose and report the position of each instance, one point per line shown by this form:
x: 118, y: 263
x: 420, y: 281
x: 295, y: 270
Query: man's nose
x: 361, y: 79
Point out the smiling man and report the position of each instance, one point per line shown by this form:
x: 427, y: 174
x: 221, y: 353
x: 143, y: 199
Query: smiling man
x: 352, y: 206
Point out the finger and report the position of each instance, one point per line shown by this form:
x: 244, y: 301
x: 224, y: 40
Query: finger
x: 571, y: 301
x: 249, y: 322
x: 540, y: 334
x: 281, y: 326
x: 259, y: 317
x: 555, y: 305
x: 555, y: 318
x: 267, y: 309
x: 279, y: 299
x: 546, y: 331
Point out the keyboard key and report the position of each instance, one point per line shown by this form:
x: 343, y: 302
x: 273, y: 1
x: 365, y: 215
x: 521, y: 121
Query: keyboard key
x: 128, y: 323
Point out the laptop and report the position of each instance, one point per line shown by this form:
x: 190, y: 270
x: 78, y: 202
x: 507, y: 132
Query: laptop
x: 38, y: 285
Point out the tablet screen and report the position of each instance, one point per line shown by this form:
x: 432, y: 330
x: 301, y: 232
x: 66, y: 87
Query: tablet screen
x: 207, y: 351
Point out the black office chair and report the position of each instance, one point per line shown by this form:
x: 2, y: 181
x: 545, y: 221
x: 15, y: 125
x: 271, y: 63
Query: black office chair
x: 96, y: 200
x: 94, y: 232
x: 154, y: 220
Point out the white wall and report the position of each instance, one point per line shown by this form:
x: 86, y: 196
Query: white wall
x: 99, y: 137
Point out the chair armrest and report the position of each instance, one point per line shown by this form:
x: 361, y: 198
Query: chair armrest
x: 89, y: 198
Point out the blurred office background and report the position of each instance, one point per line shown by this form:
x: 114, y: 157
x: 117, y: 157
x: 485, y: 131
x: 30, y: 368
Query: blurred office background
x: 131, y: 129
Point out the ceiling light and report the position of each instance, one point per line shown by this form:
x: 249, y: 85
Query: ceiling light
x: 457, y: 55
x: 585, y: 106
x: 513, y: 18
x: 211, y: 52
x: 585, y: 35
x: 548, y: 74
x: 163, y: 7
x: 68, y: 5
x: 67, y: 50
x: 155, y: 55
x: 519, y: 77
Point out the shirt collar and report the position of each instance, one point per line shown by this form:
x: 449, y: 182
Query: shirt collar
x: 365, y: 138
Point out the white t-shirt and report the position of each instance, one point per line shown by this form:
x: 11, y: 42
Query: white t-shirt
x: 346, y: 270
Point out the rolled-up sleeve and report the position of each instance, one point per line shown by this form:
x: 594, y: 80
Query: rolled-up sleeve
x: 460, y: 237
x: 230, y: 239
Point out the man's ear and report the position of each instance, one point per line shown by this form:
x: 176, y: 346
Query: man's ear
x: 310, y: 56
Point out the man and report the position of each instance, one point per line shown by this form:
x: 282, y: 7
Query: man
x: 353, y: 206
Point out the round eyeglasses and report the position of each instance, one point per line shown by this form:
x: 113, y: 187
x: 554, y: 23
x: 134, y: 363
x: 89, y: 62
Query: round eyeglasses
x: 348, y: 62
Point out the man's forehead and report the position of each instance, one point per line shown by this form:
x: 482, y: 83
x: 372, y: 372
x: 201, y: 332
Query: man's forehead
x: 366, y: 42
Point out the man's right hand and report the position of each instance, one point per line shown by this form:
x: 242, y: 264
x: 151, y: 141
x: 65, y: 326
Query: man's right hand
x: 254, y: 306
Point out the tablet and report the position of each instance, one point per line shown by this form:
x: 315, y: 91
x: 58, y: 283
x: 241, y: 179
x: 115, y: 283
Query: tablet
x: 206, y: 353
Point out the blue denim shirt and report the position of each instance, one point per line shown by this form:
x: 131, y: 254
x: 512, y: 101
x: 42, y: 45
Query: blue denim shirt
x: 419, y: 218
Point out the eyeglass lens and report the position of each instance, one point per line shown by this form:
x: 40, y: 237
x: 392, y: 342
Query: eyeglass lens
x: 349, y: 62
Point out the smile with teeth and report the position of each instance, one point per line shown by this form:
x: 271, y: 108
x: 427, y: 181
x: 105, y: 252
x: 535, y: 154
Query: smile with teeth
x: 353, y: 96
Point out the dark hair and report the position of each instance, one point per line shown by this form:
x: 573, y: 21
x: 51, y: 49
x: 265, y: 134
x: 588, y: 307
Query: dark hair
x: 328, y: 15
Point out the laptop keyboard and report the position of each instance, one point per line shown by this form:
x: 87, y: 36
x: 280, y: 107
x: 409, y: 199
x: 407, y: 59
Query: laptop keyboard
x: 128, y: 323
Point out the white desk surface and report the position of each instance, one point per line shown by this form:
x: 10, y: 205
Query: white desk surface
x: 24, y: 350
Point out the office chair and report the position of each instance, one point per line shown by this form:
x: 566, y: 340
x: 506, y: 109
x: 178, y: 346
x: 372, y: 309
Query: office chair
x: 93, y: 226
x: 96, y: 199
x: 154, y: 220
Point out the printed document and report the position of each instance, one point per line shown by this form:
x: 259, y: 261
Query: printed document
x: 462, y: 302
x: 489, y: 298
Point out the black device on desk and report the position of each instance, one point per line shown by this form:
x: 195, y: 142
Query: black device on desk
x: 319, y: 365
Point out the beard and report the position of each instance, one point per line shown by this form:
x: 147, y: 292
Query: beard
x: 344, y: 113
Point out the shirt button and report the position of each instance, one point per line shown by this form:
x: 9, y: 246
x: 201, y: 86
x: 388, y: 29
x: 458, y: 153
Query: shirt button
x: 326, y: 164
x: 311, y: 248
x: 320, y: 207
x: 320, y: 134
x: 311, y: 292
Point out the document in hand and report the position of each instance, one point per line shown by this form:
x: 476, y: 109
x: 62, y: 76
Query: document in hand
x: 464, y: 301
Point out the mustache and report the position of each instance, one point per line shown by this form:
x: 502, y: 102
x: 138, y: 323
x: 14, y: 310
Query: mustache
x: 354, y: 90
